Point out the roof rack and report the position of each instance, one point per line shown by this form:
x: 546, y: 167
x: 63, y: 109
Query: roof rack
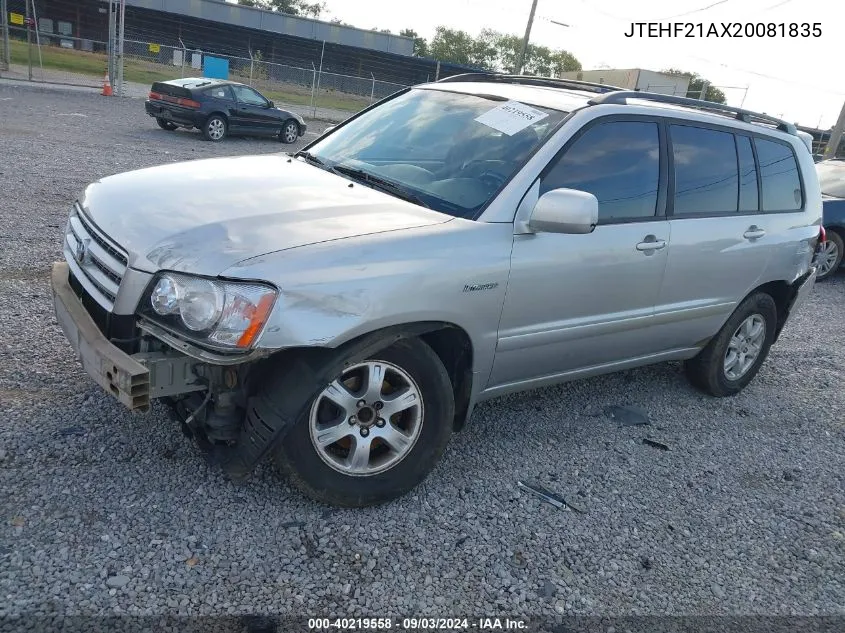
x: 747, y: 116
x: 530, y: 80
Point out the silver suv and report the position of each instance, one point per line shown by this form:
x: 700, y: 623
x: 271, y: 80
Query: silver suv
x: 343, y: 309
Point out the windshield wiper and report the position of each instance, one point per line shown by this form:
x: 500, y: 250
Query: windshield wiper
x: 308, y: 156
x: 382, y: 184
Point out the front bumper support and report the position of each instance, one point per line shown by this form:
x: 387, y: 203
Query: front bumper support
x: 111, y: 368
x: 134, y: 380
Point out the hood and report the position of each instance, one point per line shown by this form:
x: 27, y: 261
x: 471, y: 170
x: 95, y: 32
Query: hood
x: 205, y: 216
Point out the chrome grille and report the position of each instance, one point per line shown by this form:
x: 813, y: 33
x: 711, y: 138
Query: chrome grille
x: 96, y: 262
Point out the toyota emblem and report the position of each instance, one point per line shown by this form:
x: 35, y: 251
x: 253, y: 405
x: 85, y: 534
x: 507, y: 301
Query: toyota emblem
x: 81, y: 251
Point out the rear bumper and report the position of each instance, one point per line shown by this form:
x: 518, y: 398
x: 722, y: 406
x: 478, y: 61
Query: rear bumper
x: 173, y: 113
x: 803, y: 287
x: 111, y: 368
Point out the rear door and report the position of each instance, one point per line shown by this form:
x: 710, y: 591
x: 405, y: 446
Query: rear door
x: 721, y: 242
x: 253, y: 112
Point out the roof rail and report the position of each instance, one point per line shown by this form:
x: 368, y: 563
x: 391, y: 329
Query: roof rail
x: 621, y: 98
x: 530, y: 80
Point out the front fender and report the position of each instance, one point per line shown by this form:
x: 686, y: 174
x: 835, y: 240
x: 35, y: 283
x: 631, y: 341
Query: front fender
x: 289, y: 382
x: 335, y: 292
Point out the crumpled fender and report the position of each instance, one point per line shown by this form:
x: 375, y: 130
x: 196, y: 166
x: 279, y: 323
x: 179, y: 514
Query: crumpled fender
x: 290, y: 381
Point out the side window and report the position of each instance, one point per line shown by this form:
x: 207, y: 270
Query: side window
x: 748, y: 198
x: 618, y: 162
x: 249, y: 96
x: 220, y: 92
x: 706, y: 172
x: 779, y: 173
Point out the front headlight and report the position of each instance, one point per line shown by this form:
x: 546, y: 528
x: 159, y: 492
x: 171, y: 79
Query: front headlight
x: 226, y: 313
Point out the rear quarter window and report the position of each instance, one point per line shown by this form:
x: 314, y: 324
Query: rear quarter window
x: 779, y: 175
x: 219, y: 92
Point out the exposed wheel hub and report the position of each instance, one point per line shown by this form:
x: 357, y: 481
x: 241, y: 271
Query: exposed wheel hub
x: 366, y: 416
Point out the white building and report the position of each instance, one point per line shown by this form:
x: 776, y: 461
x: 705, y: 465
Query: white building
x: 634, y: 79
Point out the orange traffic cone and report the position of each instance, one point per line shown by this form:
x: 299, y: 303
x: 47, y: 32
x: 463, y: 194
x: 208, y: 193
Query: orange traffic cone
x: 106, y: 87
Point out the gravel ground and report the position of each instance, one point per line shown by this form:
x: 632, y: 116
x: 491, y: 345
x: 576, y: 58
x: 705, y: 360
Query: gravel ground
x: 106, y: 512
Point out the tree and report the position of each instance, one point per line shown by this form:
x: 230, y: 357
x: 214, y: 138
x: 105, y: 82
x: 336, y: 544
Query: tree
x: 492, y: 50
x: 420, y: 44
x: 294, y: 7
x: 339, y: 22
x: 564, y: 62
x: 696, y: 86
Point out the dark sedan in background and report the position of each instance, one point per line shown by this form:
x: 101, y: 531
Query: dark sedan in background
x: 832, y: 180
x: 218, y: 108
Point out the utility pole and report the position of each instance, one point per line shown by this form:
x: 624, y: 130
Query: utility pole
x: 521, y: 61
x: 835, y: 136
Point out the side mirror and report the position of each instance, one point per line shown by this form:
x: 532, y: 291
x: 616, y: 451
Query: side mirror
x: 565, y: 211
x: 270, y: 104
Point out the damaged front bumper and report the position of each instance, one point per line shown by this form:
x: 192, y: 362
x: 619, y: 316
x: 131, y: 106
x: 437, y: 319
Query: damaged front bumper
x: 132, y: 379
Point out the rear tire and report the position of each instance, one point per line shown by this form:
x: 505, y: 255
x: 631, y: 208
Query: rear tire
x: 720, y: 368
x: 166, y: 125
x: 389, y: 470
x: 215, y: 128
x: 829, y: 257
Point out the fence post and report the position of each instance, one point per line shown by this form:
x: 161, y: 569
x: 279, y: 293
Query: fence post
x: 373, y: 91
x: 28, y: 39
x: 251, y: 64
x: 319, y: 76
x: 184, y: 53
x: 120, y: 48
x: 313, y: 81
x: 112, y: 40
x: 37, y: 39
x: 7, y: 59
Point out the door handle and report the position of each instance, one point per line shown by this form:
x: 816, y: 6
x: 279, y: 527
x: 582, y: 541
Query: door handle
x: 754, y: 232
x: 651, y: 243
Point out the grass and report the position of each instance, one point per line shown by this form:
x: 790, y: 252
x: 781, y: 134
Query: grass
x: 147, y: 71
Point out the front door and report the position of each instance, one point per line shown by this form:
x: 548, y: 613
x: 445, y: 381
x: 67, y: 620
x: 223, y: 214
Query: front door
x: 253, y: 112
x: 576, y: 302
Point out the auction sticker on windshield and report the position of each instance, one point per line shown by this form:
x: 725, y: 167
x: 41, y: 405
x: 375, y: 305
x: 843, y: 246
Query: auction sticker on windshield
x: 511, y: 117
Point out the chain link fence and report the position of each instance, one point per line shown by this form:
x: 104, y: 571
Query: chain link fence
x: 315, y: 92
x: 54, y: 57
x: 51, y: 57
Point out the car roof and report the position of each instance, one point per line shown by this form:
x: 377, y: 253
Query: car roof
x: 542, y: 96
x: 566, y: 99
x: 201, y: 82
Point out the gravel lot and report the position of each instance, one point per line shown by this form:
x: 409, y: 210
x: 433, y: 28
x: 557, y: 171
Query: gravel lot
x: 105, y: 512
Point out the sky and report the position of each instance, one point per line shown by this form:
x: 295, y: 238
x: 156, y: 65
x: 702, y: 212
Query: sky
x: 799, y: 79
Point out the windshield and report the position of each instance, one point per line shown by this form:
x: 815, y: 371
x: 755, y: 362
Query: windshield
x: 448, y: 151
x: 832, y: 177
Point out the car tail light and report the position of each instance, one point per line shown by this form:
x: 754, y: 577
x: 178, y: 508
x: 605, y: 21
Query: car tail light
x: 185, y: 103
x: 822, y: 235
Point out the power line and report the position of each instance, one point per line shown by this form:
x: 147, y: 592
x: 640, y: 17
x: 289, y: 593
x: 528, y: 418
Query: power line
x: 775, y: 6
x: 680, y: 15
